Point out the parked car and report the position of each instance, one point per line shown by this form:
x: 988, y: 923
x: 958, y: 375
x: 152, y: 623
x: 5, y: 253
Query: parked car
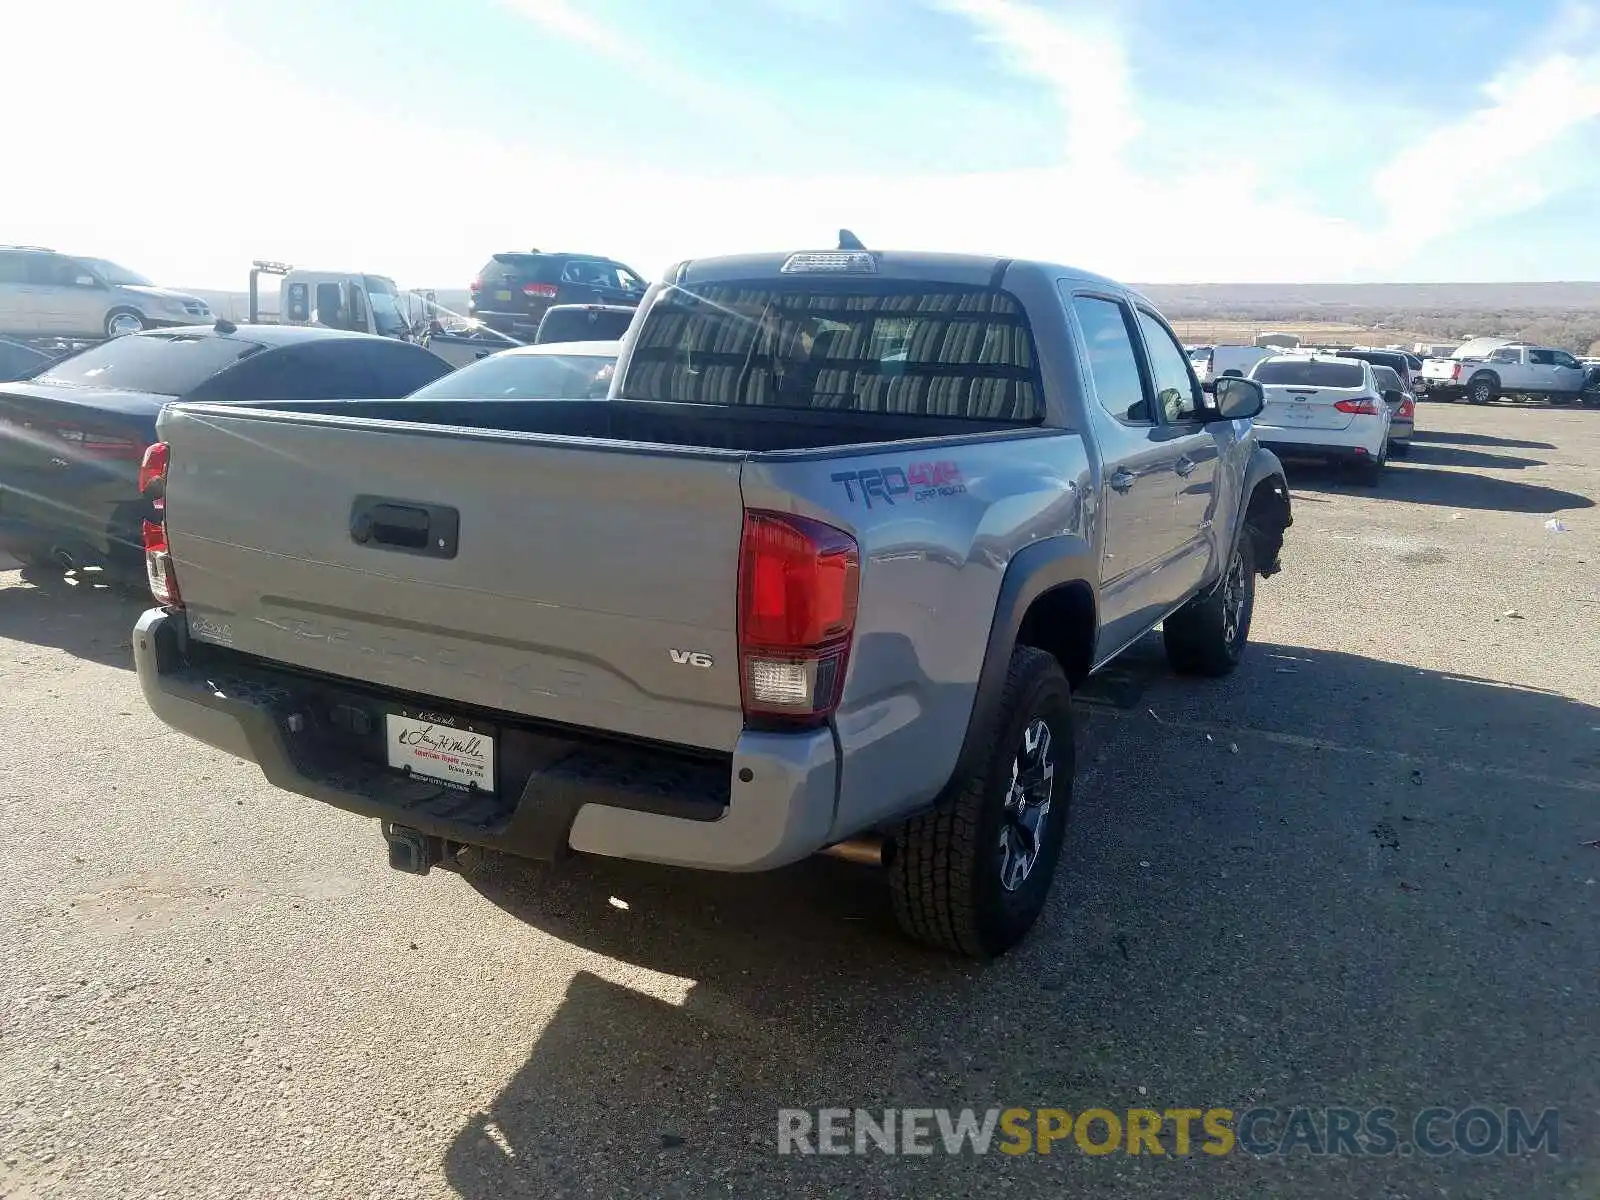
x: 585, y: 323
x: 1396, y: 360
x: 513, y: 290
x: 1402, y: 409
x: 43, y: 293
x: 1237, y: 360
x: 1512, y: 369
x: 556, y: 371
x: 18, y: 360
x: 826, y: 566
x: 72, y: 437
x: 1325, y: 407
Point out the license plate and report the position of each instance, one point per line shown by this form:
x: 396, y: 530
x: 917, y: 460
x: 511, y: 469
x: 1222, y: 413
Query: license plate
x: 502, y: 295
x: 441, y: 747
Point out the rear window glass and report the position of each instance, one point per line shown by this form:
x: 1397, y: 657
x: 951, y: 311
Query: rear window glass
x: 583, y: 325
x: 1309, y: 373
x: 535, y: 268
x: 937, y: 350
x: 525, y: 377
x: 167, y: 364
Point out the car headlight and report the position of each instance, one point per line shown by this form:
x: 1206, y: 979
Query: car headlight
x: 172, y: 306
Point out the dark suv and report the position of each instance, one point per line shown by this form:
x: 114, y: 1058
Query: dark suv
x: 1397, y: 361
x: 513, y: 289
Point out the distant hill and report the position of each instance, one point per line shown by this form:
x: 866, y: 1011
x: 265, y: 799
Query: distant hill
x: 1398, y: 297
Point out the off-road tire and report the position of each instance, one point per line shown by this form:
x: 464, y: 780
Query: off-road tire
x: 1197, y: 636
x: 1481, y: 389
x: 945, y: 864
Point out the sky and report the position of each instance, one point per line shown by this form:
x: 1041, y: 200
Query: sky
x: 1150, y: 140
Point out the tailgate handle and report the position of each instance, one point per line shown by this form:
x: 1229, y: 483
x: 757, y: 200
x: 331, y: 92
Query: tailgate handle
x: 405, y: 526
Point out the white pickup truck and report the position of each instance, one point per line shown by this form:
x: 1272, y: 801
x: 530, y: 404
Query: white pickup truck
x: 1512, y: 369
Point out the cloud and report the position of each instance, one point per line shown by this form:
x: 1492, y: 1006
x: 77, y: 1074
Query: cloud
x: 1081, y: 60
x: 268, y: 164
x: 727, y: 106
x: 1500, y: 159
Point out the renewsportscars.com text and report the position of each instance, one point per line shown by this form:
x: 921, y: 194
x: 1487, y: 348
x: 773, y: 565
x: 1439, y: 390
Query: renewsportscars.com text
x: 1431, y: 1132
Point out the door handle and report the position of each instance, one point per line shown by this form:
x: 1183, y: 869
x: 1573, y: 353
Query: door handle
x: 1185, y: 466
x: 1123, y: 479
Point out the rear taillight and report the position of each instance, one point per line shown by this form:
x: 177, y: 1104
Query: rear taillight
x: 157, y: 554
x: 475, y: 286
x: 1455, y: 373
x: 1361, y: 408
x: 1408, y: 408
x: 546, y: 290
x: 153, y: 470
x: 798, y: 584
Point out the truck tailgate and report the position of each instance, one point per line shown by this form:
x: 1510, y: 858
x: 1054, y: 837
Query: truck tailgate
x: 585, y: 582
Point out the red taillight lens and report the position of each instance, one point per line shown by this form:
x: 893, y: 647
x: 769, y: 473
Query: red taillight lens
x: 1455, y: 372
x: 1408, y: 408
x: 153, y: 468
x: 157, y: 554
x: 475, y: 286
x: 158, y: 565
x: 798, y: 584
x: 546, y: 290
x: 1366, y: 408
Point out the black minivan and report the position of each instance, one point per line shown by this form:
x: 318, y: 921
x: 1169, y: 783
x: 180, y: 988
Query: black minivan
x: 513, y: 289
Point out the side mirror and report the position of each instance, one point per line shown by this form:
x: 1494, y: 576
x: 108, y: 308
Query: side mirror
x: 1394, y: 397
x: 1238, y: 399
x: 86, y: 281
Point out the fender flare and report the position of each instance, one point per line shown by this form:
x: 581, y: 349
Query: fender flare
x: 1263, y: 469
x: 1032, y: 571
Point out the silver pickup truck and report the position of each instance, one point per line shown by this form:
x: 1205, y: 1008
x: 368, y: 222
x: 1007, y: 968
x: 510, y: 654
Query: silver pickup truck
x: 822, y: 571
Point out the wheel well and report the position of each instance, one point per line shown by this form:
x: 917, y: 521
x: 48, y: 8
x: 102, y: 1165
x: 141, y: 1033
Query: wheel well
x: 1061, y: 622
x: 1489, y: 375
x: 1265, y: 518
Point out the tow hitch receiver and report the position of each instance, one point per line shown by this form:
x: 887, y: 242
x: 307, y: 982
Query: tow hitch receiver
x: 411, y: 850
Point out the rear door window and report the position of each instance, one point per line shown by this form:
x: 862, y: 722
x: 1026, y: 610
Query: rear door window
x: 1113, y: 364
x: 912, y: 348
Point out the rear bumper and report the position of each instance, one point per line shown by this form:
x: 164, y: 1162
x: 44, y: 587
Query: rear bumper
x: 769, y: 803
x: 1438, y: 390
x: 96, y: 525
x: 1340, y: 454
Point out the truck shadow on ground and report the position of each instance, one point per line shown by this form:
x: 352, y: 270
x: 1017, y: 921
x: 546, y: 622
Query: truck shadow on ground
x: 78, y: 614
x: 1421, y: 484
x: 1437, y: 455
x: 1477, y: 439
x: 1256, y: 904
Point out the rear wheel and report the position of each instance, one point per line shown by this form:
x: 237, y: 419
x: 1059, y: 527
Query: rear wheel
x: 973, y: 875
x: 1207, y: 636
x: 1482, y: 389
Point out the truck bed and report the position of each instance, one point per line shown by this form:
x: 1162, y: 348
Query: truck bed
x: 704, y: 426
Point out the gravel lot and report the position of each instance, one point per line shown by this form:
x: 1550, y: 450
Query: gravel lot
x: 1382, y: 896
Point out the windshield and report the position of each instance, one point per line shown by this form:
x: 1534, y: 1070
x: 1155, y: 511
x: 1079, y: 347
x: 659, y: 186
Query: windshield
x: 842, y: 345
x: 526, y: 377
x: 113, y: 274
x: 164, y: 364
x: 1309, y: 372
x: 384, y: 299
